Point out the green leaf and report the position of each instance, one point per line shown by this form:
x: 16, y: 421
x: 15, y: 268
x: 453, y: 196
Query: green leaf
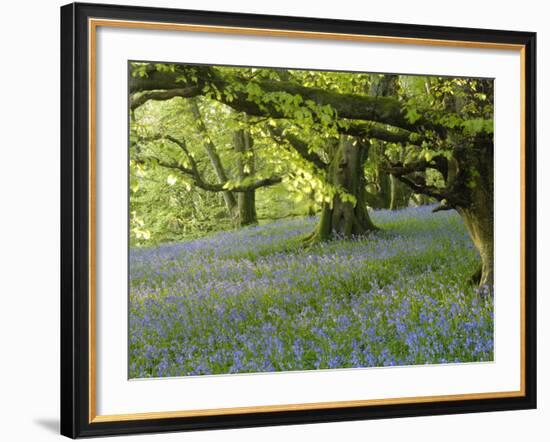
x: 412, y: 115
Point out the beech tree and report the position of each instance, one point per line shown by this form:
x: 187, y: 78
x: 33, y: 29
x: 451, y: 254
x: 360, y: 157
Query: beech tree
x: 432, y: 134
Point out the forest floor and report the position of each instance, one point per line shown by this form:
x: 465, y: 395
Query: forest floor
x: 255, y: 300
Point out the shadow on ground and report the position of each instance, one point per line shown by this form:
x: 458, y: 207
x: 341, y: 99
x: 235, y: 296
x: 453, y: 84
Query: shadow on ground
x: 51, y: 425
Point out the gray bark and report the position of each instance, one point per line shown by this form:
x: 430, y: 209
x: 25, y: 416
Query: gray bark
x: 229, y: 198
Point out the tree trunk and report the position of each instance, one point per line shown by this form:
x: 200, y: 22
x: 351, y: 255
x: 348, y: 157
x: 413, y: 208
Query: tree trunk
x: 399, y: 194
x: 242, y: 143
x: 379, y: 196
x: 228, y: 197
x: 475, y: 181
x: 345, y: 217
x: 247, y: 208
x: 480, y: 226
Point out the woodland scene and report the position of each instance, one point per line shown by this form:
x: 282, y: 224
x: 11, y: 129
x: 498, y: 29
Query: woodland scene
x: 285, y: 219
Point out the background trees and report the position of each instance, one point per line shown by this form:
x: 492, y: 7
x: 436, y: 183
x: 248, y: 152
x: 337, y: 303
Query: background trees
x: 228, y: 146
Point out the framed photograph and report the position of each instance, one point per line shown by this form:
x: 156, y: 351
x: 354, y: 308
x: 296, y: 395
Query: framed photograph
x: 274, y: 220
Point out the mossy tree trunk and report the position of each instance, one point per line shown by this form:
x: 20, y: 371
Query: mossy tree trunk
x: 478, y: 214
x: 247, y: 208
x: 246, y: 201
x: 343, y: 216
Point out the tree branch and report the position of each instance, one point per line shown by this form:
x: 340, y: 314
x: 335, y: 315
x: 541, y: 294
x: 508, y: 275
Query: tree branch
x: 141, y: 98
x: 386, y: 110
x: 409, y: 174
x: 383, y: 132
x: 196, y: 176
x: 438, y: 163
x: 419, y: 186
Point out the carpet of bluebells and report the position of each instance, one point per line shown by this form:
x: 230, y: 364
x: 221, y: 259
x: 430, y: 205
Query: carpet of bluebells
x: 255, y: 300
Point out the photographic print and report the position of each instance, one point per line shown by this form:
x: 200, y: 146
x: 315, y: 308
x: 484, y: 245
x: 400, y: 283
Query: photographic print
x: 286, y: 219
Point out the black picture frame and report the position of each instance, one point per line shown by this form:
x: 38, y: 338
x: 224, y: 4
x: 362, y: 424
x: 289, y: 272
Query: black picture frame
x: 75, y: 220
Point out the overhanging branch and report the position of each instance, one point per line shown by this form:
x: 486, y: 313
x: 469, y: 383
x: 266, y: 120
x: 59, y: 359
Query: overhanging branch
x: 194, y: 173
x: 383, y: 132
x: 386, y: 110
x: 141, y: 98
